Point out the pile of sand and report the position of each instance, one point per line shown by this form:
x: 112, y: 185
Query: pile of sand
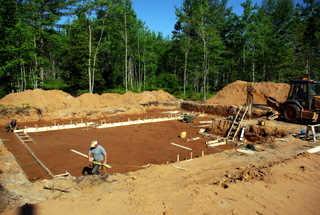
x: 56, y: 104
x: 56, y: 99
x: 53, y: 99
x: 236, y: 92
x: 233, y: 94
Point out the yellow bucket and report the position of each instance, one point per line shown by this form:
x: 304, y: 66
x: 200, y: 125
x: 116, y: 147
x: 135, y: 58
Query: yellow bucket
x: 183, y: 134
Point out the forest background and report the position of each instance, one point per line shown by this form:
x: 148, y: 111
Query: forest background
x: 104, y: 47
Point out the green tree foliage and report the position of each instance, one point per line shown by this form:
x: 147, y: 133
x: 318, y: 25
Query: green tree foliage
x: 308, y: 38
x: 104, y: 47
x: 201, y: 22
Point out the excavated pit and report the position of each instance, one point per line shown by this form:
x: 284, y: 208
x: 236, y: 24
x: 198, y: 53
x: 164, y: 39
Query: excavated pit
x: 129, y: 147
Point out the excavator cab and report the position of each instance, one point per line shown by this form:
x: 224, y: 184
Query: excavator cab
x: 300, y: 98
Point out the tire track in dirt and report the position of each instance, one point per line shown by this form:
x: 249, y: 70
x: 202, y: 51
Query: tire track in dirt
x: 259, y: 197
x: 253, y: 200
x: 273, y: 204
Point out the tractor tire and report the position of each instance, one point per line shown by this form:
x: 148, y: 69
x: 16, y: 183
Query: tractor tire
x: 291, y: 113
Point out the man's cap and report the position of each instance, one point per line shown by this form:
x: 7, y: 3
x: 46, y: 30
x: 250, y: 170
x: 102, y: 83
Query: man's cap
x: 94, y: 143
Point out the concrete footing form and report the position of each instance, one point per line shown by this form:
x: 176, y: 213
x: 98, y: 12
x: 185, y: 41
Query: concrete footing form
x: 25, y: 131
x: 95, y: 125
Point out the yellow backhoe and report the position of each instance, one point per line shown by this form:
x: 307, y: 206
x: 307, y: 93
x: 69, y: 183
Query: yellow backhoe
x: 303, y: 101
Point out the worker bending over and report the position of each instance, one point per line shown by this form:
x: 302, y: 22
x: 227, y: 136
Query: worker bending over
x: 13, y: 125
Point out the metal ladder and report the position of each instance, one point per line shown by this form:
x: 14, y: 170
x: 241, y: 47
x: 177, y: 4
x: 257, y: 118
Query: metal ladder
x: 235, y: 126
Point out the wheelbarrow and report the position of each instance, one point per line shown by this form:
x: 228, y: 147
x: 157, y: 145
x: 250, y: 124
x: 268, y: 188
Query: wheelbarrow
x: 187, y: 119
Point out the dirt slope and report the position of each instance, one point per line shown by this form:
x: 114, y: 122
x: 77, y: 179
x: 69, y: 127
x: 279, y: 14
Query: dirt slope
x: 236, y: 92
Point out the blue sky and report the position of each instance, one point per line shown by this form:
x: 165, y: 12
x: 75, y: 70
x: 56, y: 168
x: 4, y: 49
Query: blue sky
x: 159, y: 15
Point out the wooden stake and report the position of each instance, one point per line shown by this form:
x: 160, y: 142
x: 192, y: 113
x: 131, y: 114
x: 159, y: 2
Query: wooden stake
x: 190, y: 155
x: 178, y: 158
x: 202, y: 154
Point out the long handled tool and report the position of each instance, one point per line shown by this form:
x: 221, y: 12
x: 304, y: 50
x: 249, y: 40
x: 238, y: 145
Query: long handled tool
x: 95, y: 162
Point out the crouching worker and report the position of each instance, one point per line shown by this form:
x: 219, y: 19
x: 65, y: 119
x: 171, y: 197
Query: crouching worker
x: 13, y: 125
x: 99, y: 154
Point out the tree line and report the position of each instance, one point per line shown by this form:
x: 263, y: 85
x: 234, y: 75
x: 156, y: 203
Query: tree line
x: 104, y: 47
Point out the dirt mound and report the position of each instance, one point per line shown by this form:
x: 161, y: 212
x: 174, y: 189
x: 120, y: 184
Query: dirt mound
x: 236, y: 92
x: 51, y: 99
x: 35, y: 105
x: 56, y: 99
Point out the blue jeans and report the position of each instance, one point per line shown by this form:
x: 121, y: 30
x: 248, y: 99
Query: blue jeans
x: 96, y: 168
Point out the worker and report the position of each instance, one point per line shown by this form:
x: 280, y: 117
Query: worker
x: 13, y: 125
x: 97, y: 153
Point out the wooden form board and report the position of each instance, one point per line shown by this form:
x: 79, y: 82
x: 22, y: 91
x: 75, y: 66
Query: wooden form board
x: 84, y: 155
x: 181, y: 146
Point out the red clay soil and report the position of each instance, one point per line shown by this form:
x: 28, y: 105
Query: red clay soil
x: 134, y: 145
x: 129, y: 147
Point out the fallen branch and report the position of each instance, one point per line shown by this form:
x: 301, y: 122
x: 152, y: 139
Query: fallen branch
x: 54, y: 188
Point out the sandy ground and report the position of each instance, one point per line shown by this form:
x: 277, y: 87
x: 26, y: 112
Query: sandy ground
x: 275, y: 181
x: 279, y: 178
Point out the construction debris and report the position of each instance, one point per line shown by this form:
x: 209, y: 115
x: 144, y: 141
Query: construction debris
x: 181, y: 146
x: 245, y: 151
x: 180, y: 168
x: 193, y: 139
x: 206, y: 121
x: 314, y: 150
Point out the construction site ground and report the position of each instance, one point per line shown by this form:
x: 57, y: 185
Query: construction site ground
x: 280, y: 177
